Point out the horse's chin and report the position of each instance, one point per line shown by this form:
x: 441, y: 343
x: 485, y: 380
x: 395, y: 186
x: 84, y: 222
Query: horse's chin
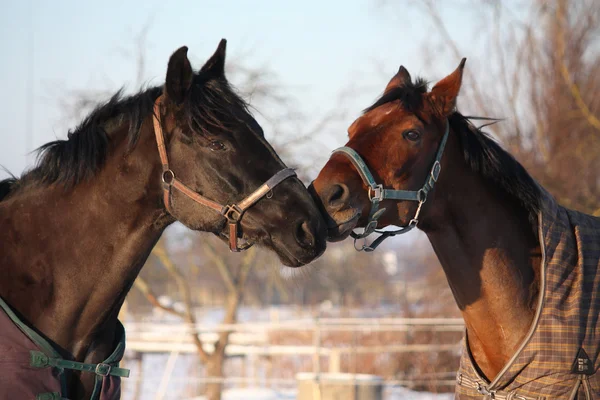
x: 290, y: 261
x: 342, y: 230
x: 286, y: 257
x: 289, y: 252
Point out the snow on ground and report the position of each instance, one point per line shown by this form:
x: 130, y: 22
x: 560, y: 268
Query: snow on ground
x: 400, y: 393
x: 254, y: 394
x: 154, y: 364
x: 269, y: 394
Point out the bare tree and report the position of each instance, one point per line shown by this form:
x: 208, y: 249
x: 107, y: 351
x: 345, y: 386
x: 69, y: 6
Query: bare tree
x: 540, y: 71
x: 234, y: 276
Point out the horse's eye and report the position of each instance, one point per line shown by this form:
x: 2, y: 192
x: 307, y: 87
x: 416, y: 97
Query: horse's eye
x: 412, y: 135
x: 215, y: 145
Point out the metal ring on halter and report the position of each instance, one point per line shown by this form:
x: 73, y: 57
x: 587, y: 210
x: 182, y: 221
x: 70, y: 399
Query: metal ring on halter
x: 422, y: 196
x: 168, y: 177
x: 435, y: 170
x: 363, y: 246
x: 269, y: 195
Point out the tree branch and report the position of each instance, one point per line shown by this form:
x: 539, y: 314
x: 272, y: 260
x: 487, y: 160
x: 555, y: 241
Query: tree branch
x: 188, y: 316
x: 221, y: 266
x: 141, y: 284
x: 234, y: 298
x: 564, y: 69
x: 244, y: 271
x: 441, y: 27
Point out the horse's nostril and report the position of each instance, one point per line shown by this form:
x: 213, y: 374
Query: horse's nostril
x: 337, y: 196
x: 304, y: 235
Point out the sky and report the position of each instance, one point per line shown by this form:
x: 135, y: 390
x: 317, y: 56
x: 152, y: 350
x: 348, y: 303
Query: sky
x: 316, y: 48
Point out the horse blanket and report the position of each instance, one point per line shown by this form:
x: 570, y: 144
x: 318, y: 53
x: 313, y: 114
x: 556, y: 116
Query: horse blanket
x: 32, y: 369
x: 558, y: 359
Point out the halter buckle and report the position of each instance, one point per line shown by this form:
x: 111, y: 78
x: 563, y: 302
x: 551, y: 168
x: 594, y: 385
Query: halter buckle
x: 231, y: 211
x: 435, y: 170
x: 485, y: 391
x: 103, y: 369
x: 376, y: 193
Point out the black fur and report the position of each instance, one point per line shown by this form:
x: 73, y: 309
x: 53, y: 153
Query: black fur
x: 82, y: 154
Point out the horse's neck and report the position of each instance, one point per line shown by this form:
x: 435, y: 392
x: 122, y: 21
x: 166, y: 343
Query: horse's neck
x: 70, y: 256
x: 490, y: 255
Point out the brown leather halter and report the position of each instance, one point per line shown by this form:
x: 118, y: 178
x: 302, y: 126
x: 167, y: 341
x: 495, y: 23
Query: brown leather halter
x: 234, y: 212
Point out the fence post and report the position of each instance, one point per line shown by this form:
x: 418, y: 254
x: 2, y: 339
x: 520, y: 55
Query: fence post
x: 334, y: 361
x: 317, y: 359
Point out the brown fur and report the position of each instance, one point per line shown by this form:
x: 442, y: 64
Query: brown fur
x: 73, y: 241
x: 477, y: 218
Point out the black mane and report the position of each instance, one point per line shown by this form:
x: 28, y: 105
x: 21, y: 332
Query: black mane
x: 83, y: 153
x: 210, y: 104
x: 486, y: 157
x: 481, y: 153
x: 409, y: 94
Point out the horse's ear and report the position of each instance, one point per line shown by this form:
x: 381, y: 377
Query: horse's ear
x: 215, y: 66
x: 444, y: 93
x: 402, y: 78
x: 179, y: 76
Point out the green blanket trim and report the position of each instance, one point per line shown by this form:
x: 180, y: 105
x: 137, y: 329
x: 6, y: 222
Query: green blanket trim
x: 49, y: 357
x: 49, y: 396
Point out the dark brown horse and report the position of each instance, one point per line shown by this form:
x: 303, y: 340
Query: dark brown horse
x: 412, y: 161
x: 77, y: 228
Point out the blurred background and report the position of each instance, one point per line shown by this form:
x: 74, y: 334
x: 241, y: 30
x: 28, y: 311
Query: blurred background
x: 206, y: 324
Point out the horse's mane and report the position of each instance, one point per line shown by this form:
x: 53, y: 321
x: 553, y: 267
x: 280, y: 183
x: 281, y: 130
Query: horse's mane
x: 83, y: 153
x: 410, y: 96
x: 482, y: 154
x: 486, y: 157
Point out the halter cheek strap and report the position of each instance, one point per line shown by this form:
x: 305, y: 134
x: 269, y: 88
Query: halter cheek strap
x: 233, y: 212
x: 377, y: 193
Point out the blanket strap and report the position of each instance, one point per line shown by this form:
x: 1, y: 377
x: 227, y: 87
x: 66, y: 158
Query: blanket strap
x: 41, y: 360
x: 482, y: 388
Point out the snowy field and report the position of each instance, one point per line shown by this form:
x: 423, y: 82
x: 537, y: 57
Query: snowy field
x: 268, y: 394
x: 176, y: 387
x: 166, y: 377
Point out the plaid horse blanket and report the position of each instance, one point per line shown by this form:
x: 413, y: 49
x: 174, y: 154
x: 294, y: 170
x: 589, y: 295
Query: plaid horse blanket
x: 558, y: 359
x: 32, y: 369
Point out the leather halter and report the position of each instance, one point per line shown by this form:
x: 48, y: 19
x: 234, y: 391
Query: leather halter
x: 377, y: 193
x: 233, y: 212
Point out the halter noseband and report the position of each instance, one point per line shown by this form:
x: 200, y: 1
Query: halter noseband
x: 377, y: 193
x: 233, y: 212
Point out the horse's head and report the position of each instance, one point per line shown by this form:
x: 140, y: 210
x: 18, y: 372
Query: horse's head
x: 398, y: 140
x: 218, y: 150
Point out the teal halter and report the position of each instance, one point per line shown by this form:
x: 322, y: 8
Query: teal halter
x: 377, y: 193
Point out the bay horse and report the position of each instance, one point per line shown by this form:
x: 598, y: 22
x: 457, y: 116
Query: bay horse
x: 78, y: 227
x: 524, y: 271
